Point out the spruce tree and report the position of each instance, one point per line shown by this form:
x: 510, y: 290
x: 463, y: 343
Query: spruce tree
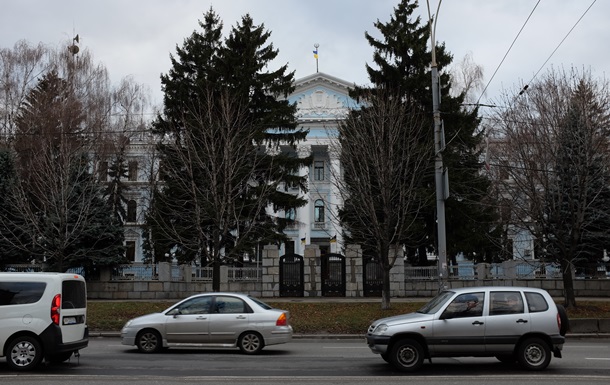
x: 229, y: 138
x: 64, y: 217
x: 402, y: 61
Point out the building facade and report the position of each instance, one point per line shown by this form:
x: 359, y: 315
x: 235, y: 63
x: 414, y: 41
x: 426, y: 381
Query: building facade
x: 322, y: 101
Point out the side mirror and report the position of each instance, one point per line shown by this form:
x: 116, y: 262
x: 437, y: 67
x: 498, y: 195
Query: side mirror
x: 174, y: 312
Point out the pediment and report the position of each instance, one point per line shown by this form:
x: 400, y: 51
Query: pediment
x: 322, y: 96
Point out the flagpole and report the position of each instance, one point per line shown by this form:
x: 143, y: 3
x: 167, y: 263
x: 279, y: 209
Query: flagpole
x: 315, y: 54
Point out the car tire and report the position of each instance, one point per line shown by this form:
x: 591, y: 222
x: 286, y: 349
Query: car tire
x: 506, y: 358
x: 565, y: 321
x: 149, y: 341
x: 24, y: 353
x: 534, y: 354
x: 407, y: 355
x: 250, y: 343
x: 386, y: 358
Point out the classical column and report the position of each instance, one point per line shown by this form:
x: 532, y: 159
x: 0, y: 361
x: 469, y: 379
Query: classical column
x: 304, y: 213
x: 334, y: 201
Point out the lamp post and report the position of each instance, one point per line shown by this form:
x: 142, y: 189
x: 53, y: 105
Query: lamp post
x: 440, y: 174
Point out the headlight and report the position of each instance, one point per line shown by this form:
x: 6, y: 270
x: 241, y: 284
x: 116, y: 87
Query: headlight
x: 127, y: 324
x: 380, y: 329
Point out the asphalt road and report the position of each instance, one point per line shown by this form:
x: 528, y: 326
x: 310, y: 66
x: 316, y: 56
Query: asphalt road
x: 313, y: 361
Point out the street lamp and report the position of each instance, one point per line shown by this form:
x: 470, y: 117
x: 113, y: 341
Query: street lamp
x: 440, y: 174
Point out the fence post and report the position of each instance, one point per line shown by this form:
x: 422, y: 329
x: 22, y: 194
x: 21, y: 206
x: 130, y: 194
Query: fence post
x: 165, y: 272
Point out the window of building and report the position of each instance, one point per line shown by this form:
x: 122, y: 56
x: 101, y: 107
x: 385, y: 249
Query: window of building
x: 290, y: 247
x: 318, y: 170
x: 102, y: 171
x: 318, y: 211
x: 133, y: 171
x: 132, y: 211
x: 161, y: 174
x: 130, y: 251
x: 291, y: 214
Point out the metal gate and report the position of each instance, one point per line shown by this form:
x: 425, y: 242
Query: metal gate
x: 333, y: 275
x: 291, y: 276
x: 373, y: 277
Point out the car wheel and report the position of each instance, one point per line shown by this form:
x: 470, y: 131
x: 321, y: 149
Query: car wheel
x: 565, y: 321
x: 149, y: 341
x: 407, y: 355
x: 507, y: 358
x: 385, y: 358
x: 534, y: 354
x: 250, y: 343
x: 24, y: 353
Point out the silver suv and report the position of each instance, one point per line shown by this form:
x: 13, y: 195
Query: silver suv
x: 513, y: 324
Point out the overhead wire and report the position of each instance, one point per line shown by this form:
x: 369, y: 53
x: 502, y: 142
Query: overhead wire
x: 507, y: 52
x: 556, y: 48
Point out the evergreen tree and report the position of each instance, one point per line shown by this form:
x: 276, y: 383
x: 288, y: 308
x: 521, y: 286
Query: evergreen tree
x: 403, y: 62
x: 225, y: 117
x: 65, y: 219
x: 577, y: 211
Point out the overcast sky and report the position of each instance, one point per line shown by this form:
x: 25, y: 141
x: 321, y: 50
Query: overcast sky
x: 136, y: 37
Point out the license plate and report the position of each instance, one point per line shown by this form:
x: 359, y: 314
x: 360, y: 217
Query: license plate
x: 69, y: 320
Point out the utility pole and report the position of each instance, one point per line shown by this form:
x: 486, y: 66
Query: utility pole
x: 440, y: 175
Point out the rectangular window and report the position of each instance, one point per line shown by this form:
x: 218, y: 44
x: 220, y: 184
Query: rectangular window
x: 133, y: 171
x: 318, y: 170
x: 102, y: 171
x: 130, y: 251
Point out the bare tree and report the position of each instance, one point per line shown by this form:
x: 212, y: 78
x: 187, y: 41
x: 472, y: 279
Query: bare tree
x: 20, y: 69
x: 214, y: 200
x: 553, y: 162
x: 382, y: 163
x: 467, y: 79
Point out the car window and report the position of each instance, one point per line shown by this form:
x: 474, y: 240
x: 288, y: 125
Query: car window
x: 536, y: 302
x: 465, y: 305
x: 505, y: 302
x: 14, y: 293
x: 228, y: 305
x: 74, y: 295
x: 199, y: 305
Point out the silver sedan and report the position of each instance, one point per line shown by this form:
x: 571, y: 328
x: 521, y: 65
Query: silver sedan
x: 210, y: 320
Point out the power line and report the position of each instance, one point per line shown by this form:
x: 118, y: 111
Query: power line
x: 559, y: 45
x: 509, y: 48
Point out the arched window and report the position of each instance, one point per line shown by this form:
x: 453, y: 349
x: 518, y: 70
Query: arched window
x: 132, y: 211
x: 318, y: 211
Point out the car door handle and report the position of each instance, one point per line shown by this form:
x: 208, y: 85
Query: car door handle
x: 201, y: 318
x: 477, y: 323
x: 521, y: 321
x: 240, y: 317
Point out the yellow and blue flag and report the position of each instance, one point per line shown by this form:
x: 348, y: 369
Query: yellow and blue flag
x: 315, y: 53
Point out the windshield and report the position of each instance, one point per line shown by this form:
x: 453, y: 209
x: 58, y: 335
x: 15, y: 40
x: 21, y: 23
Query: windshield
x: 436, y: 303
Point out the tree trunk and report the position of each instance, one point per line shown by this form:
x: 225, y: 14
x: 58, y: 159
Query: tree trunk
x: 568, y: 283
x: 385, y: 294
x: 216, y: 275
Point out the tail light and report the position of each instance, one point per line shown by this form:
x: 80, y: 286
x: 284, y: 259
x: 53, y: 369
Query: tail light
x: 558, y: 321
x: 282, y: 320
x: 55, y: 306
